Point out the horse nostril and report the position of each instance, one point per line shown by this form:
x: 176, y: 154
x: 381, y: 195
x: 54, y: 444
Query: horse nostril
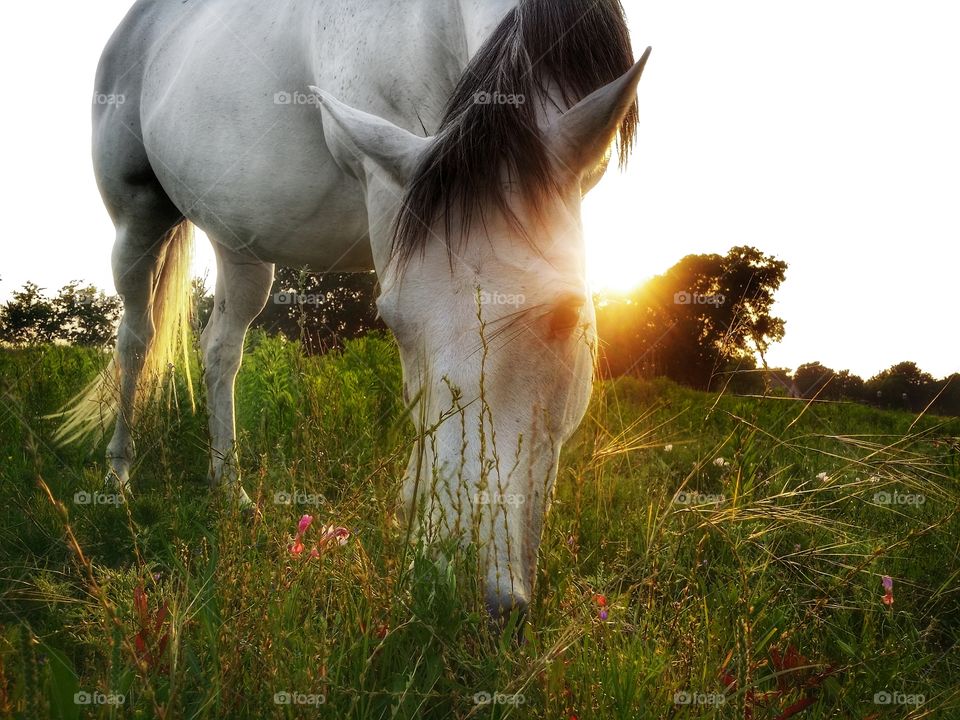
x: 566, y: 314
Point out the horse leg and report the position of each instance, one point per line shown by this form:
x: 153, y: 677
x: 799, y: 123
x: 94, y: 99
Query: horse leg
x: 243, y: 286
x: 137, y: 258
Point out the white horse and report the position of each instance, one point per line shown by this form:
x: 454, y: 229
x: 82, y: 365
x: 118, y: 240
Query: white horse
x: 447, y: 145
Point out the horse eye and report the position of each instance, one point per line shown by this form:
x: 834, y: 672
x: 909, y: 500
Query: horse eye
x: 566, y: 316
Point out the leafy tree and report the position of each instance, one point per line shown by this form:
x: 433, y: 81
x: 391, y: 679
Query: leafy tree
x: 78, y: 315
x: 814, y: 380
x: 903, y: 386
x: 323, y: 310
x: 86, y: 316
x: 29, y: 318
x: 947, y: 394
x: 691, y: 322
x: 847, y: 386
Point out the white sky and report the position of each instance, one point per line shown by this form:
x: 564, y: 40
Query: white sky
x: 825, y: 133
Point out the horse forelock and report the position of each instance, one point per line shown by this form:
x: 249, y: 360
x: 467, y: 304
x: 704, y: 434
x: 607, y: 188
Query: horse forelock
x: 577, y: 46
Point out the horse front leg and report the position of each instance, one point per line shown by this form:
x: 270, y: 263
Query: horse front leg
x: 243, y: 287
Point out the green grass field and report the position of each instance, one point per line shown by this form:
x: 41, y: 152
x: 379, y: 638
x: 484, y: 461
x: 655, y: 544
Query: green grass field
x: 738, y: 546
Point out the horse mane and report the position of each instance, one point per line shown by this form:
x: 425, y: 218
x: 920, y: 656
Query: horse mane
x: 579, y: 46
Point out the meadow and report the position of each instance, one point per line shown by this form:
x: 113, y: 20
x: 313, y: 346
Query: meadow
x: 706, y: 556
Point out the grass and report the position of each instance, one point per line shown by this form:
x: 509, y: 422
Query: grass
x: 741, y: 569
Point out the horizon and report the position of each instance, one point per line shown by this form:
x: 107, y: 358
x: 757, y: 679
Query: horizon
x: 826, y: 142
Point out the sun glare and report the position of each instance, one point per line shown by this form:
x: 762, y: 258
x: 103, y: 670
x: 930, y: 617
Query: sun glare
x: 615, y: 267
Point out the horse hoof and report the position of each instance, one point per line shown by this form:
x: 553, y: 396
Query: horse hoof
x: 113, y: 482
x: 251, y: 514
x: 239, y: 499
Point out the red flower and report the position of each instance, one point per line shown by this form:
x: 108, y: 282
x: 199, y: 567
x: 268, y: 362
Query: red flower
x: 151, y: 639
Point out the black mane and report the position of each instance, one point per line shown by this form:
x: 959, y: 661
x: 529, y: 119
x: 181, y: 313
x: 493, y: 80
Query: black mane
x: 580, y: 45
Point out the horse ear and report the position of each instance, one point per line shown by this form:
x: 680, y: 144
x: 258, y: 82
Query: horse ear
x: 579, y: 140
x: 354, y: 136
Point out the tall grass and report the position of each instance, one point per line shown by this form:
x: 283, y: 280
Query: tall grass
x: 736, y: 574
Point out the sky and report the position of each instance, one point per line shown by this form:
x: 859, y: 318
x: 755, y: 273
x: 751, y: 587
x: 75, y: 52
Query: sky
x: 823, y: 133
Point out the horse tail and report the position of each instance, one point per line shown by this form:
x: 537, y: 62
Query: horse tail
x: 96, y: 406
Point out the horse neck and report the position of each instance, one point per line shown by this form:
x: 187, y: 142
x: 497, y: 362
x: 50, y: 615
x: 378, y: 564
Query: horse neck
x: 479, y: 19
x: 408, y: 55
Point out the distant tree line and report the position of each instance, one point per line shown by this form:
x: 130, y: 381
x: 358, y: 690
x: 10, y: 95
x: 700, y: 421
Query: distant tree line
x: 321, y: 310
x: 903, y: 386
x: 707, y: 322
x: 77, y: 314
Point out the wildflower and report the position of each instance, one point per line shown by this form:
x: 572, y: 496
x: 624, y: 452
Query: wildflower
x: 668, y: 448
x: 888, y: 590
x: 720, y: 462
x: 601, y: 601
x: 302, y: 527
x: 154, y: 633
x: 822, y: 477
x: 331, y: 534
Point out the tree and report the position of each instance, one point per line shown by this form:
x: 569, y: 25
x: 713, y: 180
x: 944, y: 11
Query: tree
x: 321, y: 309
x: 814, y: 380
x: 86, y: 316
x: 947, y: 393
x: 29, y: 318
x: 691, y: 322
x: 79, y: 315
x: 903, y: 386
x: 848, y: 386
